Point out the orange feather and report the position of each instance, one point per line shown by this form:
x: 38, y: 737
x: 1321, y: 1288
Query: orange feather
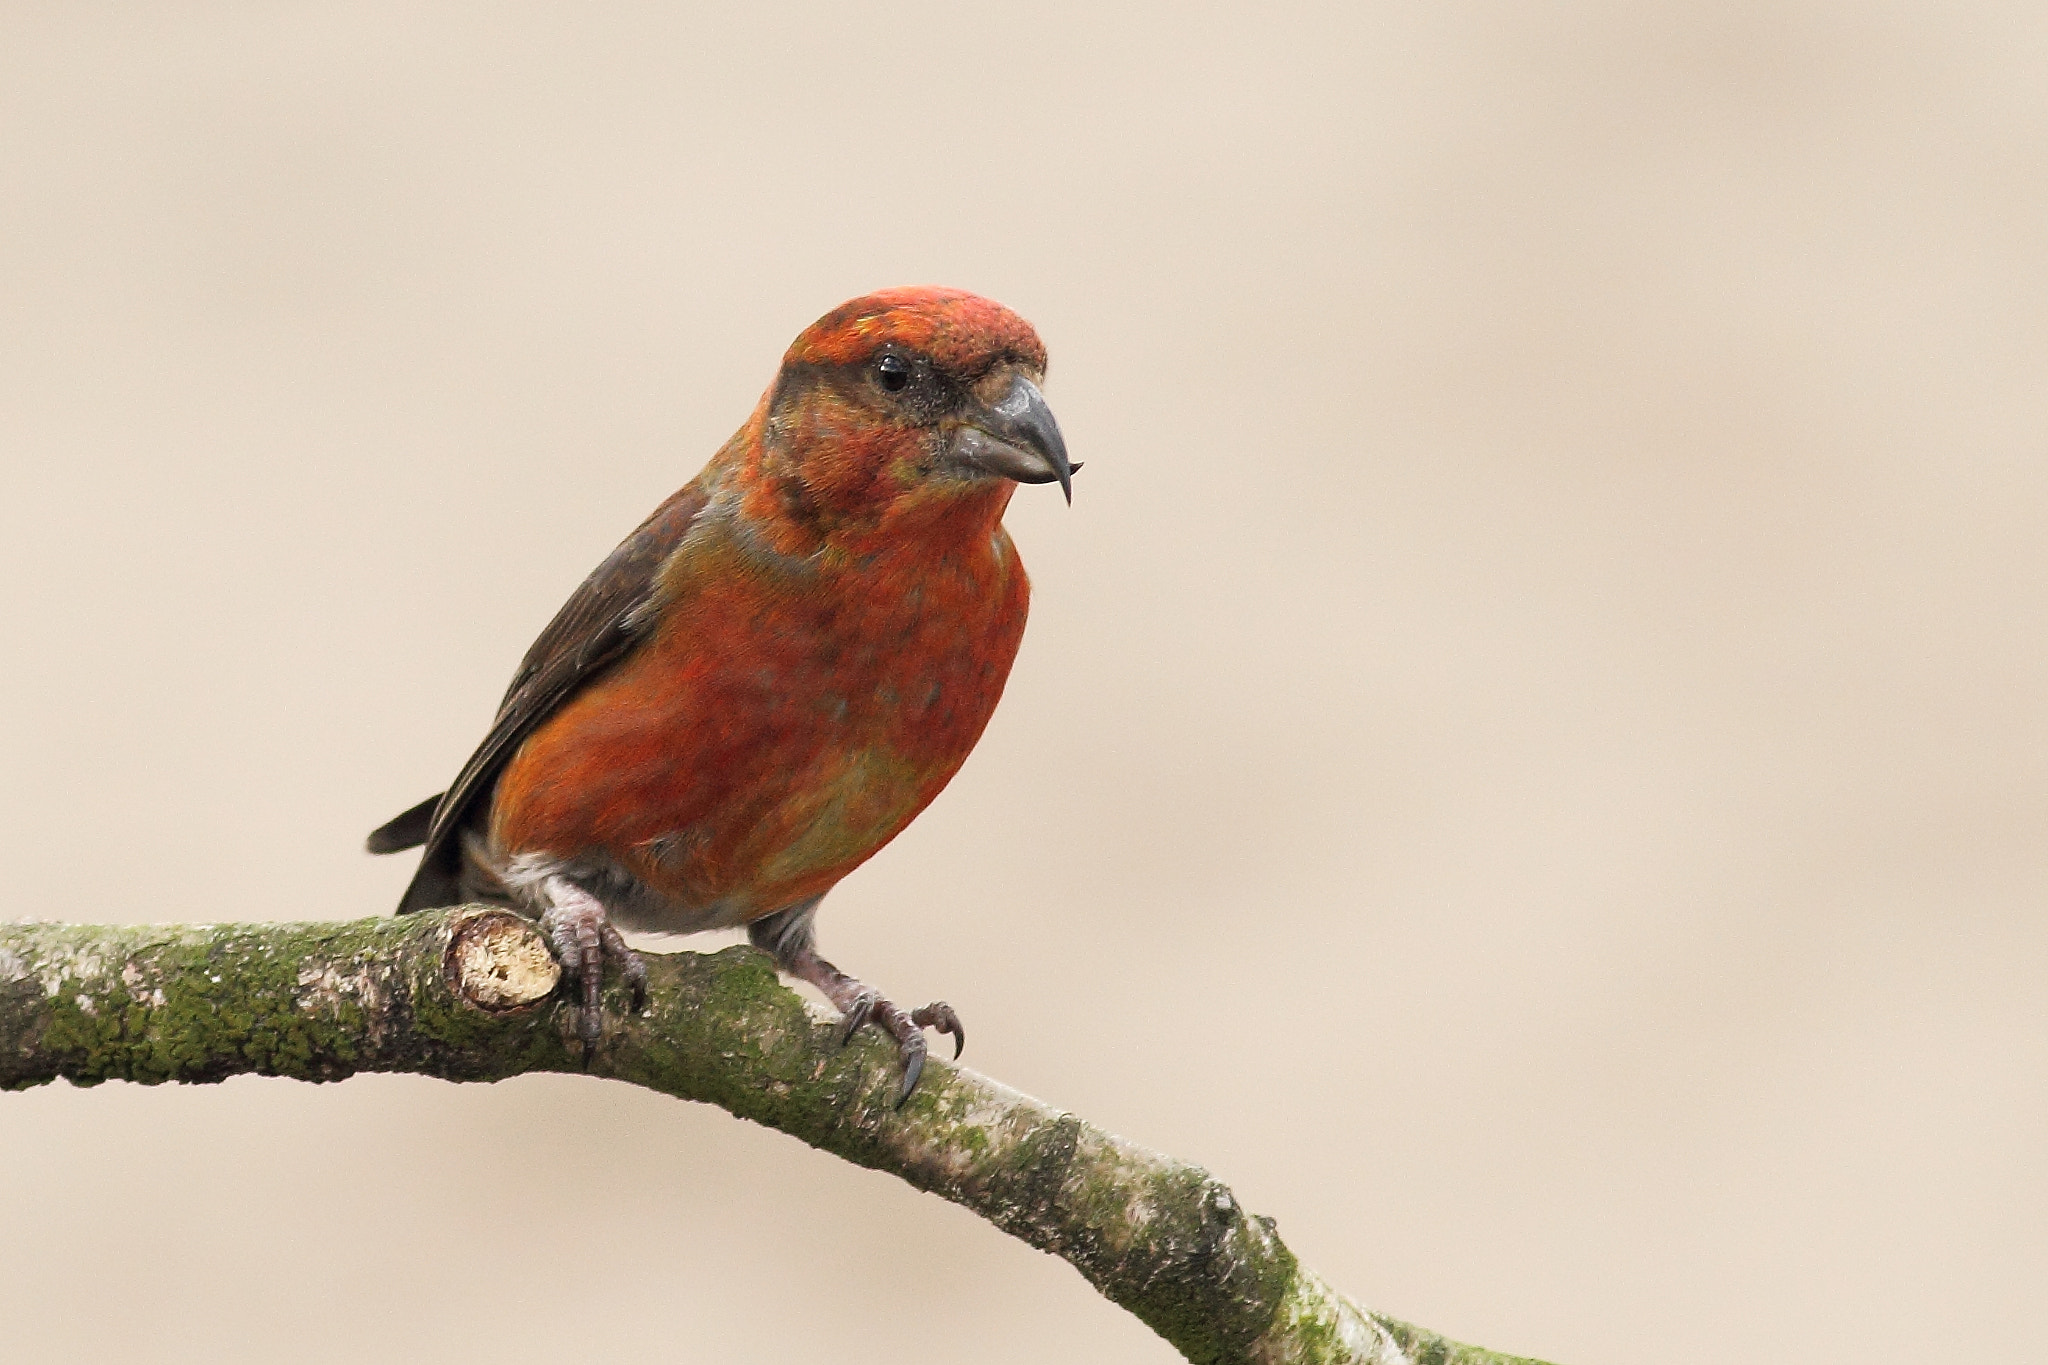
x: 832, y: 635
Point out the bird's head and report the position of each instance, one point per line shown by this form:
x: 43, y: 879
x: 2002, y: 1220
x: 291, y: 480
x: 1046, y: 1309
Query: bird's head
x: 908, y: 403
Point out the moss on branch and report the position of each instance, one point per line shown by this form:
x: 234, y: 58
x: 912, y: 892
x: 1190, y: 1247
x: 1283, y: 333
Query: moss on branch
x: 468, y: 994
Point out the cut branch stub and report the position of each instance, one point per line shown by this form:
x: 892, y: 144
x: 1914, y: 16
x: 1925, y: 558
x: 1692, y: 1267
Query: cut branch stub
x: 499, y: 962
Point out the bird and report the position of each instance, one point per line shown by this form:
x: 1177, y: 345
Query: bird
x: 775, y: 672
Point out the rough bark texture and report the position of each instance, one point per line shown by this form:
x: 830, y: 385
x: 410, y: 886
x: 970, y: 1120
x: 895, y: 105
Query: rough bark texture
x: 470, y: 994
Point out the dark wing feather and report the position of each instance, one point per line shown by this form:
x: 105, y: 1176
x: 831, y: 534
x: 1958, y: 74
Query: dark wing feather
x: 598, y: 625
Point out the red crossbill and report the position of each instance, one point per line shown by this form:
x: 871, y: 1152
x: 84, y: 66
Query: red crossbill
x: 777, y: 671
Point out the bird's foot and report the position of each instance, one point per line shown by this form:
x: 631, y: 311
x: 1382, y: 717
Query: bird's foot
x: 864, y: 1005
x: 582, y: 937
x: 788, y: 935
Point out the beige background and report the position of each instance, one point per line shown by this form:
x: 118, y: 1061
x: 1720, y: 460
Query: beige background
x: 1529, y: 759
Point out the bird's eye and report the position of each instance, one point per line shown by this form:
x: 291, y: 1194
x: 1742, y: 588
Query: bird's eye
x: 894, y: 373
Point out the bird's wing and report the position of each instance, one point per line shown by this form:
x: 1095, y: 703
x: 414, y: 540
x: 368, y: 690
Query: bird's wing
x: 597, y: 626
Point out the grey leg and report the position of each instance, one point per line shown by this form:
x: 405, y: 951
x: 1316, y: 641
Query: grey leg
x: 789, y: 936
x: 582, y: 936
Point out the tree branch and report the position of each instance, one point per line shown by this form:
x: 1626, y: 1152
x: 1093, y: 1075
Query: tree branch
x: 470, y: 994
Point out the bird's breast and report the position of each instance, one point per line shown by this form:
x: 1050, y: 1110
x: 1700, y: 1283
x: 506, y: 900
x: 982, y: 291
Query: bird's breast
x: 777, y: 727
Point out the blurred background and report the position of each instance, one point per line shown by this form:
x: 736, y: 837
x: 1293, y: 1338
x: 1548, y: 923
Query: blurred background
x: 1541, y: 685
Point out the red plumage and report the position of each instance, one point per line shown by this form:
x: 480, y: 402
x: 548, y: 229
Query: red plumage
x: 785, y: 663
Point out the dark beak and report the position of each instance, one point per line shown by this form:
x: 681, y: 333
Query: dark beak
x: 1016, y: 437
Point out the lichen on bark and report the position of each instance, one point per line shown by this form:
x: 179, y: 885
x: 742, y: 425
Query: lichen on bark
x: 460, y: 994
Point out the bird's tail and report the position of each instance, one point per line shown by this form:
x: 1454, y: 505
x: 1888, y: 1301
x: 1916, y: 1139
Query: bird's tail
x: 404, y: 831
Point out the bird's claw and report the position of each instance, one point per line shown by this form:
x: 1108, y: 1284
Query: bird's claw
x: 856, y: 1013
x: 582, y: 940
x: 787, y: 934
x: 913, y: 1068
x: 906, y: 1027
x: 940, y: 1016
